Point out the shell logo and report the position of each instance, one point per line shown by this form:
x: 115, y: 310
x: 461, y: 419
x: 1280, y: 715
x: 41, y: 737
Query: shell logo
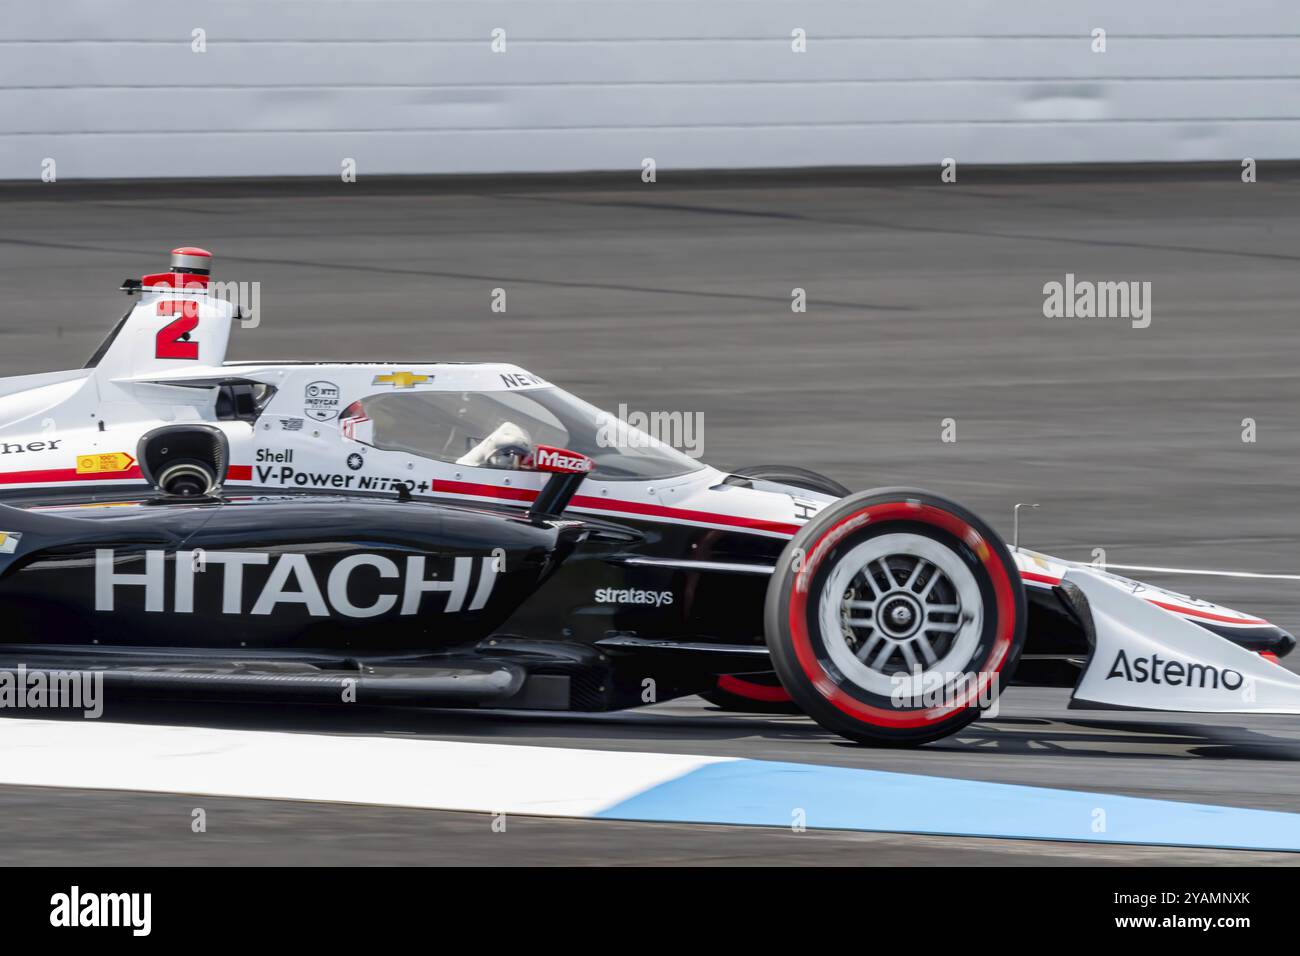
x: 101, y: 464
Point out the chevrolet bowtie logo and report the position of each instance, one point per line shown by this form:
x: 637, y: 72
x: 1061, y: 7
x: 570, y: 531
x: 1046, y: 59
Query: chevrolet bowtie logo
x: 402, y: 379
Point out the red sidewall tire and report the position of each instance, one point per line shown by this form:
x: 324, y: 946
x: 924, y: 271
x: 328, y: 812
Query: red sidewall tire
x: 804, y: 660
x: 752, y: 694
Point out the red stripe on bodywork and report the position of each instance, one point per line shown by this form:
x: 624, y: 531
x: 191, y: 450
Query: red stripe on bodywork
x: 1175, y: 608
x: 1040, y: 578
x: 484, y: 491
x: 50, y: 475
x: 1208, y: 615
x: 620, y: 506
x: 67, y: 474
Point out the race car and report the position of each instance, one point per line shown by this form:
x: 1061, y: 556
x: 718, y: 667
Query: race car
x: 470, y: 535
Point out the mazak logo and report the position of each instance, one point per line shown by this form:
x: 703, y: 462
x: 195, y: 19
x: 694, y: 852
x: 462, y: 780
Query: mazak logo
x: 1159, y: 670
x: 634, y: 596
x: 359, y: 585
x: 558, y: 459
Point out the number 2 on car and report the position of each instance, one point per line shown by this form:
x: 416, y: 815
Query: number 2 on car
x: 172, y: 341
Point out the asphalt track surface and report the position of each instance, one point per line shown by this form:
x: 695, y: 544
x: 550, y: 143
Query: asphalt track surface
x: 924, y: 303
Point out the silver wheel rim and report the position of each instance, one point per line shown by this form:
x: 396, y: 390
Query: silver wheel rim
x: 897, y: 611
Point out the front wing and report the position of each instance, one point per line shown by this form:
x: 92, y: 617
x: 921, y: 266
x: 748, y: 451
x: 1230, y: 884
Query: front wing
x: 1147, y: 658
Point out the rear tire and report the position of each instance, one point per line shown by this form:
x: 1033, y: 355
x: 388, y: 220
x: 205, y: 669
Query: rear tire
x: 894, y: 617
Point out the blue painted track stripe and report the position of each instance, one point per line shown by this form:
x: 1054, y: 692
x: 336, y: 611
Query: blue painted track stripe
x: 767, y: 793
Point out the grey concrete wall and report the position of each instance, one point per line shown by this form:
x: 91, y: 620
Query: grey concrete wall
x: 115, y: 89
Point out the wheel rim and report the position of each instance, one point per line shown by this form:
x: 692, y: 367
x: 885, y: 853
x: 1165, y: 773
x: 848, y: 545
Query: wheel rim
x: 898, y: 609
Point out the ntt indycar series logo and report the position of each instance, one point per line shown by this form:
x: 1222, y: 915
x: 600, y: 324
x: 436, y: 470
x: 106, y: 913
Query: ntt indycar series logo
x: 1160, y: 670
x: 320, y: 400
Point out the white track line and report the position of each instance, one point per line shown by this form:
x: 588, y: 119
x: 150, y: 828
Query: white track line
x: 385, y: 771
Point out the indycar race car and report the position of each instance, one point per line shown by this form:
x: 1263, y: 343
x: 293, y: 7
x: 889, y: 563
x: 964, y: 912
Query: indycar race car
x: 469, y: 535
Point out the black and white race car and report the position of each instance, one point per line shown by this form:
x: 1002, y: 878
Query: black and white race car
x: 471, y: 535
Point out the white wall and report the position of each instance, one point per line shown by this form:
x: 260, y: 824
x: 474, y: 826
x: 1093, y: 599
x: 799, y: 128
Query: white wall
x: 291, y: 87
